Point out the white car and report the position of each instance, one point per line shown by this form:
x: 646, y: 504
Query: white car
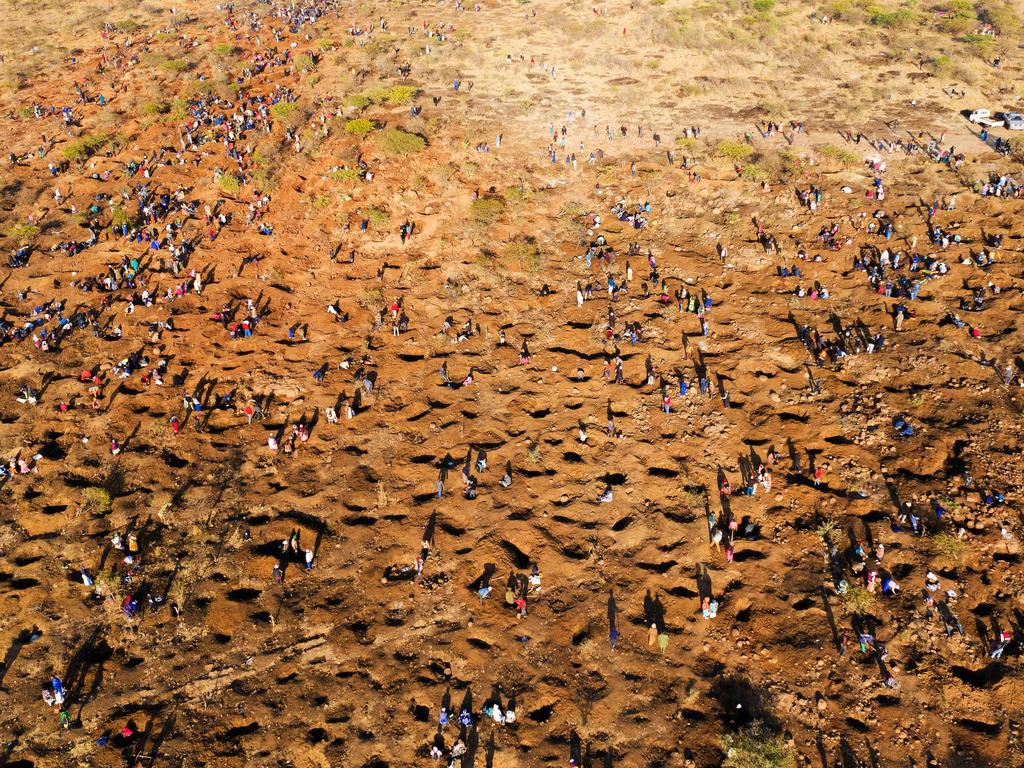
x: 1014, y: 121
x: 984, y: 117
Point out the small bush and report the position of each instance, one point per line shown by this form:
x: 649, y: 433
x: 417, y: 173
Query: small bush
x: 841, y: 155
x: 762, y: 6
x: 97, y: 500
x: 857, y: 599
x: 229, y: 183
x: 174, y: 65
x: 25, y: 111
x: 359, y: 127
x: 901, y: 18
x: 981, y: 45
x: 358, y: 101
x: 345, y: 175
x: 120, y: 216
x: 487, y: 210
x: 24, y: 232
x: 757, y: 747
x: 734, y: 150
x: 941, y: 66
x: 948, y: 545
x: 522, y: 255
x: 369, y: 298
x: 756, y: 172
x: 326, y: 44
x: 826, y: 529
x: 225, y: 49
x: 306, y: 62
x: 154, y: 108
x: 82, y: 149
x: 178, y: 110
x: 377, y: 216
x: 318, y: 201
x: 395, y: 96
x: 398, y: 142
x: 283, y: 109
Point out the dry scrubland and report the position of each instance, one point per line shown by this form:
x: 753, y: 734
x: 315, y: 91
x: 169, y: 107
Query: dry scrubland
x: 337, y: 668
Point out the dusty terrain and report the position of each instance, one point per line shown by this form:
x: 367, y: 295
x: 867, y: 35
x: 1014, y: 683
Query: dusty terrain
x: 344, y: 666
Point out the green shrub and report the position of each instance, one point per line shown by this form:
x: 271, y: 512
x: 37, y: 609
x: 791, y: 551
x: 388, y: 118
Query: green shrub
x: 229, y: 183
x: 153, y: 108
x: 487, y: 210
x: 120, y: 216
x: 175, y: 65
x: 857, y: 599
x: 756, y: 747
x: 359, y: 127
x: 762, y: 6
x: 941, y: 66
x: 225, y: 49
x: 395, y: 96
x: 97, y: 500
x: 398, y: 142
x: 358, y: 101
x: 326, y: 44
x: 24, y: 232
x: 369, y: 298
x: 981, y: 44
x: 901, y: 18
x: 345, y: 175
x: 841, y: 155
x: 950, y: 546
x: 306, y: 62
x: 755, y: 171
x: 178, y: 110
x: 283, y: 109
x: 83, y: 148
x: 734, y: 150
x: 25, y: 111
x: 522, y: 255
x: 377, y: 216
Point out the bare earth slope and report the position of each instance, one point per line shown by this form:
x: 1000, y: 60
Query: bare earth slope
x: 312, y: 134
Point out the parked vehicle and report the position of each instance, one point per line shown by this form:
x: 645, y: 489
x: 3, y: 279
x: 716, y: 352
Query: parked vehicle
x: 1014, y: 121
x: 984, y: 117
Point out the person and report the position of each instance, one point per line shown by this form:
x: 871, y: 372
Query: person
x: 535, y: 579
x: 309, y: 559
x: 58, y: 689
x: 1001, y: 644
x: 709, y: 607
x: 819, y: 474
x: 520, y: 604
